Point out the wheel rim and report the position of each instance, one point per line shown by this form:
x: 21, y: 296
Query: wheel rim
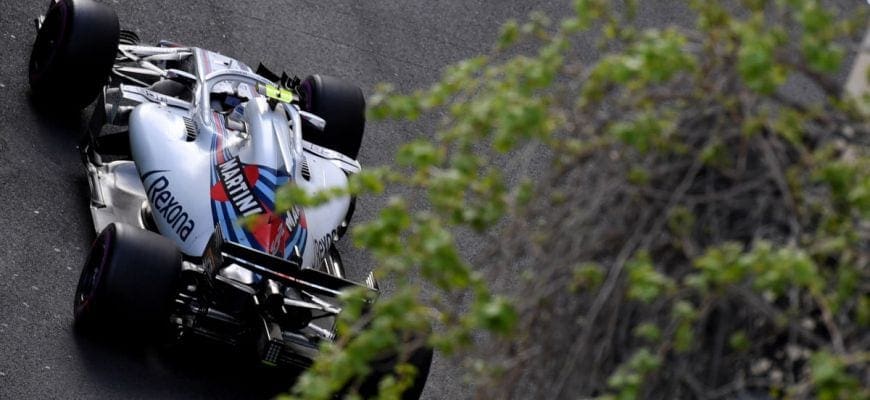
x: 49, y: 38
x: 92, y: 272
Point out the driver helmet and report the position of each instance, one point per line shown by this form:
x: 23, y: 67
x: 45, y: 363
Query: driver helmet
x: 224, y: 97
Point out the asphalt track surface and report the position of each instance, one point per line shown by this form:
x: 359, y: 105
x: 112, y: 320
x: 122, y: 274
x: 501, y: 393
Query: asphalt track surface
x: 45, y: 228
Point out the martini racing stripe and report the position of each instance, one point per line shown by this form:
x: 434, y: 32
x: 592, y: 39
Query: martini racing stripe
x: 263, y: 187
x: 265, y: 199
x: 236, y: 229
x: 268, y: 176
x: 236, y: 187
x: 299, y: 239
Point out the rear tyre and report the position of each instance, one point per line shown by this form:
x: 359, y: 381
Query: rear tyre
x: 127, y: 284
x: 73, y: 53
x: 421, y: 359
x: 342, y: 106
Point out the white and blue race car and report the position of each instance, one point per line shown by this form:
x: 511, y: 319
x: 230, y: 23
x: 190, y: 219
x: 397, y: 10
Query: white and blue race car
x: 185, y: 152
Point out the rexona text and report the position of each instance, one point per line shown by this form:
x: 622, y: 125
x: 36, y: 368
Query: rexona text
x: 164, y: 204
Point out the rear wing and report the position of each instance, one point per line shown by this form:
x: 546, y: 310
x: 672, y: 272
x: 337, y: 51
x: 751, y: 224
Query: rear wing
x: 219, y: 253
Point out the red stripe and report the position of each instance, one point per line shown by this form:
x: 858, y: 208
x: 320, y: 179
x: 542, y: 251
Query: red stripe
x: 220, y: 136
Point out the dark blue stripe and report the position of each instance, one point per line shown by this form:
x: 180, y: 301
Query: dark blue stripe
x: 264, y: 198
x: 226, y: 223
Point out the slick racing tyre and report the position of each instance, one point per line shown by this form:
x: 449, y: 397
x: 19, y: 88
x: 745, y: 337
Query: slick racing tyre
x: 421, y: 359
x: 342, y: 106
x: 73, y: 53
x: 127, y: 284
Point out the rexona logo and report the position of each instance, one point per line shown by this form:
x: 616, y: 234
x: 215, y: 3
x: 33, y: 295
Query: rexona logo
x: 164, y: 204
x: 237, y: 186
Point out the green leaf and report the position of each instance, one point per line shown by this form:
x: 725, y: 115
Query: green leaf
x: 862, y: 311
x: 648, y: 331
x: 684, y: 311
x: 638, y: 176
x: 586, y: 276
x: 756, y: 60
x: 510, y: 31
x: 645, y: 283
x: 830, y: 377
x: 496, y: 314
x: 628, y: 377
x: 419, y: 154
x: 681, y: 221
x: 640, y: 133
x: 738, y: 341
x: 684, y: 337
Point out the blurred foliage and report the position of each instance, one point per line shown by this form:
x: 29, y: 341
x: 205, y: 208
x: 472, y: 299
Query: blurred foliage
x: 732, y: 238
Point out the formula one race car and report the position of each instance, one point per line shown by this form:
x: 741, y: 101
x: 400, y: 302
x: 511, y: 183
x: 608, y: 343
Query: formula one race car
x: 185, y: 152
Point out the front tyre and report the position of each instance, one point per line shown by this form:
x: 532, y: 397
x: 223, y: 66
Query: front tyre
x: 127, y: 284
x: 73, y: 53
x: 343, y: 107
